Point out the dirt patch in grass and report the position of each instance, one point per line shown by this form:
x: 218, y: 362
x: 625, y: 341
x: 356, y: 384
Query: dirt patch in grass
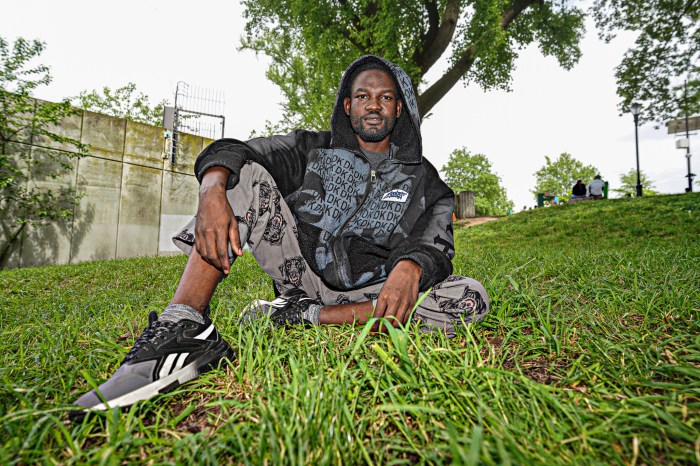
x: 470, y: 222
x: 544, y: 369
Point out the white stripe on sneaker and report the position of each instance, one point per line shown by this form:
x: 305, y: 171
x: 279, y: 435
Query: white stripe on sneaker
x: 205, y: 333
x: 279, y: 302
x: 180, y: 361
x: 167, y: 365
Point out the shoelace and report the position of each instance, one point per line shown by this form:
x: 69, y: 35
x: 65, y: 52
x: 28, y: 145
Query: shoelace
x: 155, y: 329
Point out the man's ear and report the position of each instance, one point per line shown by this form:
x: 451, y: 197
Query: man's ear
x: 399, y: 107
x: 346, y: 105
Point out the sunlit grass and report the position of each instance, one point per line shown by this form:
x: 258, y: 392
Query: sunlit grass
x: 590, y: 355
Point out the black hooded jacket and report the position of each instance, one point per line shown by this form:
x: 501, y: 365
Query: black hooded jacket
x: 354, y: 223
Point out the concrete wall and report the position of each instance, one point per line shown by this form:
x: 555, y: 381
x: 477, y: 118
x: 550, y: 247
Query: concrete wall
x: 133, y: 201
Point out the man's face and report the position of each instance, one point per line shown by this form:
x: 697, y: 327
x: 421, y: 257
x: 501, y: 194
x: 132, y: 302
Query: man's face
x: 373, y: 105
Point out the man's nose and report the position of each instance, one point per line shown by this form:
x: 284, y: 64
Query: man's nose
x: 373, y: 104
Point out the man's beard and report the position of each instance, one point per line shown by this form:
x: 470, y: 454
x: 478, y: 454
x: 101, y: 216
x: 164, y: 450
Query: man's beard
x: 372, y: 134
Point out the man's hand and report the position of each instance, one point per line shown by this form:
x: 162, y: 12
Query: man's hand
x: 399, y: 294
x: 216, y: 226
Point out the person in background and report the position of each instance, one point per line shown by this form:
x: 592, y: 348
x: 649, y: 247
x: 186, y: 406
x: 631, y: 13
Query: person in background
x: 595, y: 188
x: 579, y: 190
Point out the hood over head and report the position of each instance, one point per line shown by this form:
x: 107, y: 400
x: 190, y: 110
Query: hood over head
x: 406, y: 134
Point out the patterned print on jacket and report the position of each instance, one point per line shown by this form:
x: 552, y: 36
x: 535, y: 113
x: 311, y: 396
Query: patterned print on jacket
x: 342, y: 206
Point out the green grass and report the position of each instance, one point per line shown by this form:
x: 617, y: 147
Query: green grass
x: 590, y: 355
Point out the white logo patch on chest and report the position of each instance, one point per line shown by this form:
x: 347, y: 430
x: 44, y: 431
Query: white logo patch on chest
x: 396, y: 195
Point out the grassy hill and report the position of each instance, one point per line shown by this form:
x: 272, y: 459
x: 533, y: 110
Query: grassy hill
x: 590, y: 355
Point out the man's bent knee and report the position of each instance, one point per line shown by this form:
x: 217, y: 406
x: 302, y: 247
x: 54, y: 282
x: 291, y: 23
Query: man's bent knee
x: 454, y: 302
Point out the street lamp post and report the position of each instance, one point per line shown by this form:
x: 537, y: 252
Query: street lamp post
x: 690, y: 175
x: 636, y: 108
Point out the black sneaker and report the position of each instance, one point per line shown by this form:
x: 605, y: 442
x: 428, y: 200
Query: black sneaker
x: 165, y: 356
x: 286, y: 310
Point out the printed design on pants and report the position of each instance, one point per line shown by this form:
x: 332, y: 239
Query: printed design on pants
x: 276, y: 196
x: 292, y: 271
x: 265, y: 195
x: 275, y: 229
x: 469, y: 306
x: 342, y: 299
x: 449, y: 279
x: 433, y: 294
x: 371, y: 296
x: 248, y: 219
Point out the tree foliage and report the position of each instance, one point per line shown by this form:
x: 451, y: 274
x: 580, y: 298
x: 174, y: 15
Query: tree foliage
x: 666, y: 52
x: 628, y: 184
x: 311, y: 44
x: 558, y: 177
x: 472, y: 172
x: 22, y: 120
x: 123, y: 102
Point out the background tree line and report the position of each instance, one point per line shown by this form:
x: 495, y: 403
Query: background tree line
x: 310, y: 46
x: 311, y: 43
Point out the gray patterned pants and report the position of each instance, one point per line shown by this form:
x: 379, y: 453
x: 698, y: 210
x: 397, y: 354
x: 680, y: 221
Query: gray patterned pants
x: 267, y: 225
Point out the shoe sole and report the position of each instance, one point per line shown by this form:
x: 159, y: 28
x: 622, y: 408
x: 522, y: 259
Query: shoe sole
x: 164, y: 385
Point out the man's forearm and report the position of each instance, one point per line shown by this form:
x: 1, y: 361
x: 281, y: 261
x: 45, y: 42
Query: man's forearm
x: 214, y: 177
x: 352, y: 313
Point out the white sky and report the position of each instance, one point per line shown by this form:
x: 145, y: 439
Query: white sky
x: 155, y: 44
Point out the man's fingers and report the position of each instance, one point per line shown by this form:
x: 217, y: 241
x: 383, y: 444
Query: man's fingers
x: 201, y: 247
x: 408, y: 308
x: 209, y: 248
x: 396, y: 315
x: 395, y: 318
x: 222, y: 259
x: 234, y: 238
x: 399, y: 293
x: 389, y: 309
x: 379, y: 311
x: 401, y: 317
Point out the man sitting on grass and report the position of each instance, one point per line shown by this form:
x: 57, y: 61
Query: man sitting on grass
x: 350, y: 224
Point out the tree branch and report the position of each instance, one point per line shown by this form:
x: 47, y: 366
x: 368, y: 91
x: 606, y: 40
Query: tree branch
x: 432, y: 95
x: 433, y: 21
x: 359, y: 46
x: 515, y: 9
x: 345, y: 33
x: 370, y: 11
x: 438, y: 39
